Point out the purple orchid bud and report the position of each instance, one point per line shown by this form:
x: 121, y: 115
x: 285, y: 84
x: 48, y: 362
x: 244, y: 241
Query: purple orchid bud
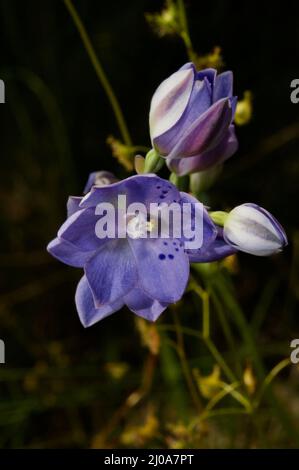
x: 143, y: 272
x: 191, y: 119
x: 99, y: 178
x: 254, y: 230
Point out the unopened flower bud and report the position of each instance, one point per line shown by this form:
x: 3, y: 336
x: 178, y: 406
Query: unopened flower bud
x: 254, y: 230
x: 153, y: 162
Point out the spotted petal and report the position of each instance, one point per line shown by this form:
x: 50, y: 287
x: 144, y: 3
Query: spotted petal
x: 163, y: 268
x: 217, y: 250
x: 138, y: 188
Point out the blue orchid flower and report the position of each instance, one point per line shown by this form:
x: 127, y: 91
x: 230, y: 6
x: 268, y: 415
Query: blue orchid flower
x: 146, y: 274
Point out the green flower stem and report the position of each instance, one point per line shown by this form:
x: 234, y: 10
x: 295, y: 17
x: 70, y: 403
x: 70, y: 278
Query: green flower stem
x: 139, y: 148
x: 204, y: 296
x: 224, y: 289
x: 270, y: 377
x: 227, y: 331
x: 184, y: 363
x: 100, y: 72
x: 224, y: 412
x: 220, y: 360
x: 185, y: 35
x: 230, y: 390
x: 210, y: 346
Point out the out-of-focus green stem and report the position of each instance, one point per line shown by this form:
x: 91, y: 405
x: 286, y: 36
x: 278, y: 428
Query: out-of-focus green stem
x: 229, y: 389
x: 185, y: 35
x: 224, y: 412
x: 210, y: 346
x: 225, y: 292
x: 204, y: 296
x: 139, y: 148
x: 227, y: 331
x: 205, y: 308
x: 240, y: 320
x: 219, y: 359
x: 271, y: 376
x: 184, y: 363
x: 100, y: 72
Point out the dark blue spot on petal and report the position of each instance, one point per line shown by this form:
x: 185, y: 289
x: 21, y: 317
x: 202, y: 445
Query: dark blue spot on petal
x: 162, y: 197
x: 165, y: 243
x: 161, y: 256
x: 170, y: 256
x: 176, y: 249
x: 174, y: 243
x: 158, y: 187
x: 164, y: 191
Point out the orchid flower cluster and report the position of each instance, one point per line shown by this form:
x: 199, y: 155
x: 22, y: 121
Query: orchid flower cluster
x: 191, y: 124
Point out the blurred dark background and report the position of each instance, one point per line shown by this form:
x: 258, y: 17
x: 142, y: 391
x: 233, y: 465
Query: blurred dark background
x: 62, y: 385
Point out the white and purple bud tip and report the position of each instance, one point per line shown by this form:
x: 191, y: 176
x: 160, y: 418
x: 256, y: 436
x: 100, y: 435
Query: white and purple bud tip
x: 252, y: 229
